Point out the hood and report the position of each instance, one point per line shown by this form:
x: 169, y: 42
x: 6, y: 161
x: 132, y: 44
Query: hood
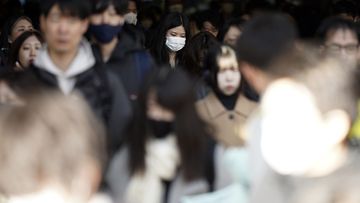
x: 83, y: 61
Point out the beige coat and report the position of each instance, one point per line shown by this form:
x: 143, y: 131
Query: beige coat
x: 228, y: 124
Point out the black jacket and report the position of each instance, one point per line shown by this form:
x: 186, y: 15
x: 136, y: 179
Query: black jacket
x: 101, y: 90
x: 129, y: 61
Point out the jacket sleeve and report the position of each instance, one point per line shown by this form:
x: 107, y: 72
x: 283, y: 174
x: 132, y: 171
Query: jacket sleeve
x: 118, y: 175
x: 120, y: 113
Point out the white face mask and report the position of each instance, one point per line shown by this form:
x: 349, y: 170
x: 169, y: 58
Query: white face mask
x: 131, y: 18
x: 175, y: 43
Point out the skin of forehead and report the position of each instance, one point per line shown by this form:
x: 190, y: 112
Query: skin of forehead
x: 179, y: 29
x: 342, y: 36
x: 22, y: 23
x: 31, y: 40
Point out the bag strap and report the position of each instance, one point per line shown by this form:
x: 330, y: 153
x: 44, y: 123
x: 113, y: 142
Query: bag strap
x: 210, y: 165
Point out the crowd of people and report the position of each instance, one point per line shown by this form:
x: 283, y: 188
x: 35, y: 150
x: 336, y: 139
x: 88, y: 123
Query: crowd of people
x: 124, y: 101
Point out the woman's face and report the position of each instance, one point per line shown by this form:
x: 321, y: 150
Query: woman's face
x: 28, y: 51
x: 207, y: 26
x: 232, y: 35
x: 19, y: 27
x: 156, y: 112
x: 109, y: 16
x: 178, y: 31
x: 228, y: 77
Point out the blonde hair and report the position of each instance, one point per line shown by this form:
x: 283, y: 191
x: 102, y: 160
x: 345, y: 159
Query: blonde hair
x: 227, y: 57
x: 48, y: 138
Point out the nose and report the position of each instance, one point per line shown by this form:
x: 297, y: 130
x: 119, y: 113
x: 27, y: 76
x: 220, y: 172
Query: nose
x: 229, y: 75
x: 343, y: 53
x: 33, y: 52
x: 63, y: 26
x: 105, y: 18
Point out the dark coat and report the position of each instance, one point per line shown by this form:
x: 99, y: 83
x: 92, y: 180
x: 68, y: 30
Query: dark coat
x: 129, y: 61
x: 99, y: 87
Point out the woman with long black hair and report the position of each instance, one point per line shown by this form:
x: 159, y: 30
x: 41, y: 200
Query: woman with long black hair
x: 169, y: 152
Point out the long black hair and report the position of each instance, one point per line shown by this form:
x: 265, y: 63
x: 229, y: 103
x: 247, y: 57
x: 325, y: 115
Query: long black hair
x: 158, y: 48
x: 196, y: 51
x: 174, y: 92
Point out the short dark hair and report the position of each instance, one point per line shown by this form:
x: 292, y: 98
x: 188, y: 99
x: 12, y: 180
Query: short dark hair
x: 265, y: 38
x: 14, y: 50
x: 335, y: 23
x: 75, y: 8
x: 98, y: 6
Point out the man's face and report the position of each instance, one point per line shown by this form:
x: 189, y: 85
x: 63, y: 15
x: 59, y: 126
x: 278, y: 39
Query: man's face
x: 63, y: 33
x: 342, y: 42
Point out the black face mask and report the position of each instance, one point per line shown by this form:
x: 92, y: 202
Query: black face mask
x: 160, y: 129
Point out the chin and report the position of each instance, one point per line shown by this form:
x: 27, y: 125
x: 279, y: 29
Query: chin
x: 229, y: 93
x: 62, y: 49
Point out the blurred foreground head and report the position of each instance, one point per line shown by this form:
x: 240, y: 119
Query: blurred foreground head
x: 265, y: 38
x: 307, y: 117
x: 51, y: 150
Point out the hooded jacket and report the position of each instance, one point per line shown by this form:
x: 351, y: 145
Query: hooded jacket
x: 100, y: 88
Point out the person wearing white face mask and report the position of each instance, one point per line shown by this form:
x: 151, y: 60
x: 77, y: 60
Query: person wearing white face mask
x: 171, y: 38
x: 131, y: 15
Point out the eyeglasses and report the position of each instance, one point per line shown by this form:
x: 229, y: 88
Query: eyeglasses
x: 336, y: 48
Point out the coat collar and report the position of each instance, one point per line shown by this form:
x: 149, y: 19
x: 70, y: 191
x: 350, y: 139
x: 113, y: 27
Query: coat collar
x: 215, y: 108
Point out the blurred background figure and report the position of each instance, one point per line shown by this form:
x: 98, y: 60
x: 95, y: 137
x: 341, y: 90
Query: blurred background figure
x: 169, y: 152
x: 231, y: 31
x: 116, y: 47
x: 211, y: 22
x: 339, y: 37
x: 38, y: 142
x: 25, y: 49
x: 225, y: 107
x: 305, y: 130
x: 171, y: 37
x: 194, y: 57
x: 195, y: 53
x: 12, y: 29
x: 131, y: 13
